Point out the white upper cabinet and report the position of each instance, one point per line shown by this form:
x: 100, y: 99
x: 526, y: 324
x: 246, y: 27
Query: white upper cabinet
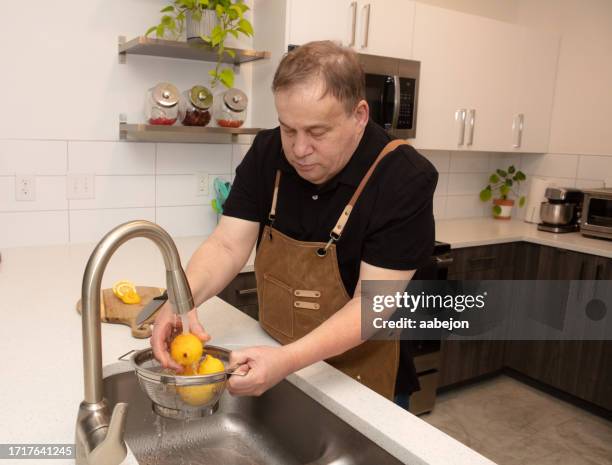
x: 533, y: 102
x: 478, y: 76
x: 384, y: 27
x: 374, y: 27
x: 320, y: 20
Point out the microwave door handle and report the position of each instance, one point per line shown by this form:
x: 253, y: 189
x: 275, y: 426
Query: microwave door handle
x: 396, y: 102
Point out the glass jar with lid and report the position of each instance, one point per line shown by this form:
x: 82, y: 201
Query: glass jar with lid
x: 194, y: 106
x: 161, y: 104
x: 229, y: 109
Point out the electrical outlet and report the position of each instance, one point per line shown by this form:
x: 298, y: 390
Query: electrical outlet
x: 79, y: 186
x: 202, y: 189
x: 25, y: 187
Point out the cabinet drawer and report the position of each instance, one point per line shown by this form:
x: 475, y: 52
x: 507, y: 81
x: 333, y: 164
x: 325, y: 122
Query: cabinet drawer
x: 486, y: 257
x: 241, y: 291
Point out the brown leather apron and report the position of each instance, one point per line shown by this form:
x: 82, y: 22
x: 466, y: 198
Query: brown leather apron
x: 299, y: 287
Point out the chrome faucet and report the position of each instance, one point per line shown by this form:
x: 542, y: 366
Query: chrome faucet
x: 99, y: 439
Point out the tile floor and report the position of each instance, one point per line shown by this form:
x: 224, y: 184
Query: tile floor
x: 514, y: 424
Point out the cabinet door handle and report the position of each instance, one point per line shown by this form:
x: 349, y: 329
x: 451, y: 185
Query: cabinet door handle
x: 366, y: 26
x: 246, y: 291
x: 472, y: 118
x: 353, y: 23
x: 475, y: 260
x: 598, y: 271
x: 517, y: 130
x: 460, y: 119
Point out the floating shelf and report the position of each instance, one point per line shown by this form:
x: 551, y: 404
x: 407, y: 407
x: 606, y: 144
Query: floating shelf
x: 193, y: 134
x: 186, y: 50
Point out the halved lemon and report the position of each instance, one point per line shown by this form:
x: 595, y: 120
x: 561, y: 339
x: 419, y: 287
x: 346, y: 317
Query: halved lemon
x: 126, y: 291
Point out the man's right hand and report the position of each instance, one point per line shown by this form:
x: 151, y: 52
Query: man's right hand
x: 167, y: 325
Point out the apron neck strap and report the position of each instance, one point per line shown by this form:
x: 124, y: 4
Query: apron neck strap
x: 272, y: 214
x: 346, y: 213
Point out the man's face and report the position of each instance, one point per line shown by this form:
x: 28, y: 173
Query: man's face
x: 317, y: 134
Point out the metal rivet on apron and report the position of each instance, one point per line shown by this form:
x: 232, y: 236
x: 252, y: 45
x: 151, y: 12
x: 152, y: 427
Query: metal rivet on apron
x: 315, y: 197
x: 321, y: 252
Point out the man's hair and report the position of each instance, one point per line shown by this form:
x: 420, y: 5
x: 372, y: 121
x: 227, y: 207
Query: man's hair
x: 337, y: 67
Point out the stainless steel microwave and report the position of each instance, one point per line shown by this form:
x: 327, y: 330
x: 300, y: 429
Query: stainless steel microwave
x: 597, y: 213
x: 392, y: 89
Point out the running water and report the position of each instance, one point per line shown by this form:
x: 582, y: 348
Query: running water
x: 185, y: 322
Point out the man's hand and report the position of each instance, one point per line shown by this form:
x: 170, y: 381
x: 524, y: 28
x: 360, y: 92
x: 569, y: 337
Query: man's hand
x: 167, y: 325
x: 265, y: 367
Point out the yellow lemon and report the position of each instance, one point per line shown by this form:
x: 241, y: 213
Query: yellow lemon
x: 186, y: 349
x: 126, y: 291
x: 201, y: 395
x: 198, y: 395
x: 210, y: 365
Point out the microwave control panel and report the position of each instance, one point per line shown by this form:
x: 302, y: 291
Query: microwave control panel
x: 406, y: 104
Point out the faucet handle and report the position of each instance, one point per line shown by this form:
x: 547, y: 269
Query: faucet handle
x: 112, y: 450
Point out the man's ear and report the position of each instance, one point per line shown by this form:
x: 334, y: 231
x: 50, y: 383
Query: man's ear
x: 362, y: 113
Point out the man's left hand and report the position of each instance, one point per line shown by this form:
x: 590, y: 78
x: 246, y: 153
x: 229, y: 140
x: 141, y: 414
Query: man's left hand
x: 264, y: 367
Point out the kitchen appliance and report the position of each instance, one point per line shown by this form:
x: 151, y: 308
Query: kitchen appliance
x: 424, y: 354
x: 392, y: 87
x: 597, y: 217
x: 536, y: 195
x: 561, y: 213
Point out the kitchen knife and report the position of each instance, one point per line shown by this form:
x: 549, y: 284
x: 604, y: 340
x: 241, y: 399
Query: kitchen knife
x: 149, y: 310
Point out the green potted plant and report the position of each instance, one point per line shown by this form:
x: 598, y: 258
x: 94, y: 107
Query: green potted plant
x: 227, y: 19
x: 504, y: 183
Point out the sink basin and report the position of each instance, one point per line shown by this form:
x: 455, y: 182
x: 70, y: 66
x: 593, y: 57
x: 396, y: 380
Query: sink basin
x: 282, y: 427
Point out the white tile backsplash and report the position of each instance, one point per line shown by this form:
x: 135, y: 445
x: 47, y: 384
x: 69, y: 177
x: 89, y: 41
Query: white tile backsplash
x: 469, y: 162
x: 594, y: 167
x: 24, y: 229
x: 192, y: 158
x: 466, y: 183
x: 119, y: 158
x: 119, y: 192
x: 439, y: 207
x: 50, y: 194
x: 465, y: 206
x: 187, y: 221
x: 442, y: 186
x: 33, y: 157
x: 550, y: 165
x: 92, y: 225
x: 180, y: 189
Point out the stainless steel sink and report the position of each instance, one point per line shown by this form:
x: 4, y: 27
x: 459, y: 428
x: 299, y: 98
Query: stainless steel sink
x: 284, y: 426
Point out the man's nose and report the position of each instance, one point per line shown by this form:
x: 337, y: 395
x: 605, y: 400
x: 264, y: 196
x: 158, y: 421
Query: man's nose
x: 302, y: 146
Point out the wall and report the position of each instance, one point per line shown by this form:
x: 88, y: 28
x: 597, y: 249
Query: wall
x: 503, y: 10
x: 63, y: 92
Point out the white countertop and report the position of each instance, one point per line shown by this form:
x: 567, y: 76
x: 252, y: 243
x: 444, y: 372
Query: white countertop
x: 482, y: 231
x: 41, y: 347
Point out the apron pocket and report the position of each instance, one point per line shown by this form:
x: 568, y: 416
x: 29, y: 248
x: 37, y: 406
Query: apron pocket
x: 277, y: 311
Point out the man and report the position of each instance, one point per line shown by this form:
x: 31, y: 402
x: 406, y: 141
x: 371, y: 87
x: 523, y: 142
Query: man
x: 330, y: 203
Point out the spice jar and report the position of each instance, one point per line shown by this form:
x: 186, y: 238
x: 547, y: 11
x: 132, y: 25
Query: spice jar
x: 161, y: 104
x: 229, y: 109
x: 194, y: 106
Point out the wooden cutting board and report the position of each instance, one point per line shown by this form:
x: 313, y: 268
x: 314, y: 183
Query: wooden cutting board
x: 113, y: 310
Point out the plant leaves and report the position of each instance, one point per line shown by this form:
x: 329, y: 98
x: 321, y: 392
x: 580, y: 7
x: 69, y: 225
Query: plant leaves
x: 502, y: 173
x: 485, y: 195
x: 231, y: 53
x: 521, y: 176
x: 233, y: 32
x: 509, y: 182
x: 497, y: 210
x: 150, y: 30
x: 493, y: 179
x: 204, y: 4
x: 167, y: 9
x: 160, y: 31
x: 227, y: 77
x: 522, y: 201
x: 236, y: 9
x: 504, y: 189
x: 245, y: 27
x: 220, y: 11
x: 511, y: 169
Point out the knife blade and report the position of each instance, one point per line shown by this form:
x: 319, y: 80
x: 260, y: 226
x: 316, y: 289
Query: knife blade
x: 149, y: 310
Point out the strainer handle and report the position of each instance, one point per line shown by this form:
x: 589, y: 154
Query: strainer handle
x: 123, y: 359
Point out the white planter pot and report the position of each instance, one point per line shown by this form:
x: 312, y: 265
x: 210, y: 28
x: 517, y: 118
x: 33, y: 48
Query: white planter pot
x: 204, y: 27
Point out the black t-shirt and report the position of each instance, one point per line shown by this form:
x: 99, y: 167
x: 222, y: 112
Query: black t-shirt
x: 391, y: 226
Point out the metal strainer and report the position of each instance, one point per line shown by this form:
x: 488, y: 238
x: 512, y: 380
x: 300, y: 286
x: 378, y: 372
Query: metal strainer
x: 176, y: 396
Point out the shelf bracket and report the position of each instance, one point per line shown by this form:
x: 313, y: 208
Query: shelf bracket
x: 122, y: 55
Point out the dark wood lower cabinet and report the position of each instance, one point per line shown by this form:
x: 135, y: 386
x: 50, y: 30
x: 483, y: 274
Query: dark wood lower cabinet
x: 242, y: 294
x: 580, y: 368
